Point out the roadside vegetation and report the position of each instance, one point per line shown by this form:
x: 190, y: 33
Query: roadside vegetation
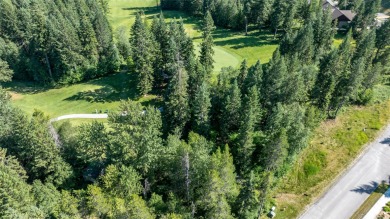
x: 370, y: 201
x: 335, y: 144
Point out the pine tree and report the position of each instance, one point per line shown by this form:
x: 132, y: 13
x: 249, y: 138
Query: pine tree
x: 231, y: 111
x: 176, y: 108
x: 142, y: 57
x: 250, y: 119
x: 254, y: 78
x: 325, y: 82
x: 273, y: 80
x: 304, y: 44
x: 207, y: 51
x: 324, y: 32
x: 248, y: 200
x: 243, y: 74
x: 161, y: 36
x: 221, y: 189
x: 201, y: 110
x: 278, y: 15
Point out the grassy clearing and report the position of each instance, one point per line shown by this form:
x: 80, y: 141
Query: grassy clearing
x: 101, y: 94
x: 335, y: 144
x: 370, y: 202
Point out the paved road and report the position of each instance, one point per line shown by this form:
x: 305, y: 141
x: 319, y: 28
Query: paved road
x: 81, y: 116
x: 353, y: 187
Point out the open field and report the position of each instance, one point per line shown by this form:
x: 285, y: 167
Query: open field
x: 335, y: 144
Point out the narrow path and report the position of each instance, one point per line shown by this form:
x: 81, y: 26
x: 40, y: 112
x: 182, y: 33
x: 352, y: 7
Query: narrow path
x: 53, y: 131
x: 356, y: 184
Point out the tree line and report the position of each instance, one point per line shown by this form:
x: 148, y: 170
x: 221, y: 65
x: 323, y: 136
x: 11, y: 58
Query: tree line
x: 273, y: 14
x: 214, y: 150
x: 57, y: 41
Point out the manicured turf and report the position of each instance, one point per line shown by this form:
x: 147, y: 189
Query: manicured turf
x: 101, y: 94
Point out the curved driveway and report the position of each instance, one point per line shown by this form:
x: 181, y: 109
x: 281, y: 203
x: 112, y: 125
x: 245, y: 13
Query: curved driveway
x: 356, y: 184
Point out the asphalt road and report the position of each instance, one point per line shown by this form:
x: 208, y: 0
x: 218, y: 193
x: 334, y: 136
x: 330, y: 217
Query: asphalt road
x: 356, y: 184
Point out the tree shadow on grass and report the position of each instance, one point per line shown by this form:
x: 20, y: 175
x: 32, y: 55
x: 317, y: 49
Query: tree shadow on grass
x: 146, y: 10
x: 237, y: 40
x: 113, y: 88
x: 120, y: 86
x: 25, y: 87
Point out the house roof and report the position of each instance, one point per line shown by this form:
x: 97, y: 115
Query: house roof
x: 382, y: 16
x: 349, y: 14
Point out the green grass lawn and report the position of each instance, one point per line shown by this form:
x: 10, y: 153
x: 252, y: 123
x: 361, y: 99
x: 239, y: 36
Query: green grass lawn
x: 101, y: 94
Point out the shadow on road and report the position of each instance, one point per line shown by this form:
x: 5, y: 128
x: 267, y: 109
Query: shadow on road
x: 366, y: 188
x: 381, y: 187
x: 386, y: 141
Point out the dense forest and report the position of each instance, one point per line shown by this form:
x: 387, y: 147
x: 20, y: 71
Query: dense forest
x: 57, y: 41
x: 215, y: 149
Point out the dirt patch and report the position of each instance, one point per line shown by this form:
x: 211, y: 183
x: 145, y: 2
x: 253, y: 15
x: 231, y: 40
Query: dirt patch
x: 15, y: 96
x: 286, y: 198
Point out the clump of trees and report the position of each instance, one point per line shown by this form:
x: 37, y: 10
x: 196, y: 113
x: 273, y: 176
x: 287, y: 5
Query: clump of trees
x: 212, y: 150
x: 57, y: 41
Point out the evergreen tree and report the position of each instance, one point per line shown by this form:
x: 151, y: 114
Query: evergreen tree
x: 31, y: 142
x: 201, y: 110
x: 250, y: 119
x: 176, y: 108
x: 324, y: 32
x: 243, y: 74
x: 304, y: 44
x: 207, y: 51
x: 160, y: 32
x: 221, y: 189
x: 254, y: 78
x: 278, y: 15
x: 273, y: 80
x: 325, y: 82
x: 142, y: 55
x: 231, y: 111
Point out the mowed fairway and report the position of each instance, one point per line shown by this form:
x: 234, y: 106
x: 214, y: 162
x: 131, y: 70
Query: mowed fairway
x: 99, y: 94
